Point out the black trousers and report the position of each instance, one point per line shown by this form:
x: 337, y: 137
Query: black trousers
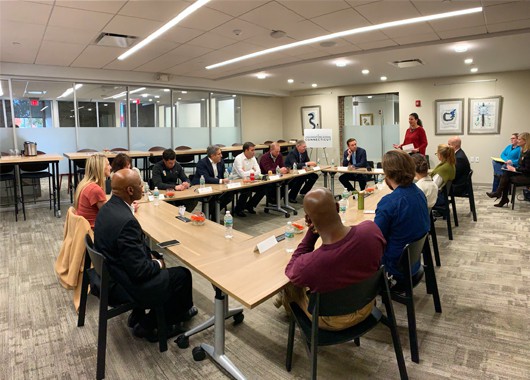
x: 507, y: 179
x: 247, y: 200
x: 302, y: 184
x: 347, y: 177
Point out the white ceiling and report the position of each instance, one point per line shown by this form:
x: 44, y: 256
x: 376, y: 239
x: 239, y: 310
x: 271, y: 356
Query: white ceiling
x: 63, y: 33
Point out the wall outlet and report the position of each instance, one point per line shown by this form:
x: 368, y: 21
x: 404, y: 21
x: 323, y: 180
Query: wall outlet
x: 476, y: 160
x: 472, y: 159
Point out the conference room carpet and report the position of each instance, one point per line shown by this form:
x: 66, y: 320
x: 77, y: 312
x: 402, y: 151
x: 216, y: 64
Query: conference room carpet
x: 483, y: 332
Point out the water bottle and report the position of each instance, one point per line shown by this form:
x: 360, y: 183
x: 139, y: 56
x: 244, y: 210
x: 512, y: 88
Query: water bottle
x: 318, y: 161
x: 146, y: 191
x: 202, y: 182
x: 229, y: 224
x: 289, y: 238
x: 226, y: 175
x: 332, y: 162
x: 278, y: 170
x: 156, y: 196
x: 343, y: 206
x: 346, y: 195
x: 294, y: 168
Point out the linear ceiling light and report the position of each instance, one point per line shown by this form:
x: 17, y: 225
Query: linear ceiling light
x: 348, y: 33
x: 181, y: 16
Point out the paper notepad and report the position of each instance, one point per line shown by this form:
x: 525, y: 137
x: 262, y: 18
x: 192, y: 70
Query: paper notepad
x: 498, y: 159
x: 408, y: 148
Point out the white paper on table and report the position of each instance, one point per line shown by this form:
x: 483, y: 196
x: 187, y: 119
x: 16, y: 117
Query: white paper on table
x: 369, y: 212
x: 408, y: 148
x: 266, y: 244
x: 161, y: 196
x: 316, y: 167
x: 274, y: 177
x: 205, y: 190
x: 151, y: 198
x: 234, y: 185
x: 301, y: 171
x: 342, y: 168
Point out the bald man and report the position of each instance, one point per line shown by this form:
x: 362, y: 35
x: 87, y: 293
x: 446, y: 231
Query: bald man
x: 135, y: 273
x: 348, y: 254
x: 462, y: 167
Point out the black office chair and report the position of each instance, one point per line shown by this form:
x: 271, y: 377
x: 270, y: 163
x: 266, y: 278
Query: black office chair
x: 513, y: 190
x: 284, y: 150
x: 432, y: 233
x: 445, y: 210
x: 8, y: 177
x: 186, y: 160
x: 340, y: 302
x: 403, y: 291
x: 371, y: 177
x: 468, y: 193
x: 100, y: 266
x: 34, y: 172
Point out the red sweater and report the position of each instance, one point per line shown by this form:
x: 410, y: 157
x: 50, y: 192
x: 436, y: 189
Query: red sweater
x: 417, y: 137
x: 266, y: 163
x: 335, y: 266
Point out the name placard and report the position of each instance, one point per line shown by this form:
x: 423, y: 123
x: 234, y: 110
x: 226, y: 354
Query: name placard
x: 161, y: 196
x: 274, y: 177
x: 233, y: 185
x: 342, y: 168
x: 266, y: 244
x: 316, y: 167
x: 301, y: 171
x: 205, y: 190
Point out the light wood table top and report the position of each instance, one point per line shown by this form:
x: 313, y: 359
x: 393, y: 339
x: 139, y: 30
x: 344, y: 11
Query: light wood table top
x: 109, y: 154
x: 344, y: 169
x: 48, y: 157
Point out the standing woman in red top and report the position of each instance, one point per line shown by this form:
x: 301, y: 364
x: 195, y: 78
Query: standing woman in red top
x: 415, y: 135
x: 90, y: 194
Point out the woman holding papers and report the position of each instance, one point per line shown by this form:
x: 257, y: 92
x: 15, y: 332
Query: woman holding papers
x: 415, y: 137
x: 511, y: 175
x: 510, y: 155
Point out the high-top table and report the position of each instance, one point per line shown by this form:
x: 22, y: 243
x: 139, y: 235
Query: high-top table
x: 49, y: 158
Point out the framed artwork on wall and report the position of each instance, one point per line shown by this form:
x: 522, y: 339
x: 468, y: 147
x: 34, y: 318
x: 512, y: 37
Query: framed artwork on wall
x: 485, y: 115
x: 311, y: 117
x: 366, y: 119
x: 449, y: 117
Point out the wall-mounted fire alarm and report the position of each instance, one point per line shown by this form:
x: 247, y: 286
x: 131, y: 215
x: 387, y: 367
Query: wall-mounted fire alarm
x: 418, y: 103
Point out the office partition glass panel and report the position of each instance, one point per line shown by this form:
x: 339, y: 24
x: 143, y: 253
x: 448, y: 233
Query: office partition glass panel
x: 6, y: 124
x: 371, y: 120
x: 226, y: 118
x: 150, y: 117
x: 191, y: 119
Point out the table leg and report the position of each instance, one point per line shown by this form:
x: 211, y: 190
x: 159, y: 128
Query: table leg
x: 71, y: 182
x: 325, y: 179
x: 277, y: 207
x: 56, y: 191
x: 332, y: 181
x: 218, y: 209
x: 286, y: 200
x: 217, y: 352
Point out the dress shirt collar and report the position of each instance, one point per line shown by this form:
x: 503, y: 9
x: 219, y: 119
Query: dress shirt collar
x: 129, y: 206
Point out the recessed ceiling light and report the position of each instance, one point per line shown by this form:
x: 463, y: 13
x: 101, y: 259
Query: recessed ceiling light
x: 344, y: 33
x: 166, y: 89
x: 157, y: 96
x: 341, y: 63
x: 179, y: 99
x: 314, y: 85
x: 105, y: 104
x: 384, y: 78
x: 261, y: 76
x: 365, y: 72
x: 460, y: 48
x: 158, y: 101
x: 202, y: 100
x: 369, y: 96
x: 468, y: 61
x: 290, y: 80
x: 145, y: 95
x: 233, y: 96
x: 184, y: 92
x: 473, y: 70
x: 150, y: 99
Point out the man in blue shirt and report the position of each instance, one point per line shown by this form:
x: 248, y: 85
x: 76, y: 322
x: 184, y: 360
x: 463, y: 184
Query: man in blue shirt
x: 512, y: 152
x: 355, y: 157
x: 402, y: 216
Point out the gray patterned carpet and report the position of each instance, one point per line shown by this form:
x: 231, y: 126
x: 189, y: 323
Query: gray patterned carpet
x: 483, y: 332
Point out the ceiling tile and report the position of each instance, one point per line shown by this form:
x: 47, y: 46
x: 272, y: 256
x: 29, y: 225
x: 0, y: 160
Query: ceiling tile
x: 152, y: 51
x: 30, y: 13
x: 132, y: 26
x: 462, y: 32
x: 48, y: 53
x: 376, y: 44
x: 377, y: 13
x: 74, y: 36
x: 24, y: 53
x: 174, y: 57
x: 408, y: 30
x: 517, y: 10
x: 476, y: 19
x: 13, y: 31
x: 303, y: 30
x: 154, y: 10
x: 310, y: 8
x: 205, y: 19
x: 97, y: 56
x: 414, y: 39
x: 272, y: 16
x: 96, y: 6
x: 78, y: 19
x: 235, y: 7
x: 180, y: 35
x: 212, y: 40
x: 246, y: 30
x: 360, y: 38
x: 427, y: 8
x: 340, y: 21
x: 513, y: 25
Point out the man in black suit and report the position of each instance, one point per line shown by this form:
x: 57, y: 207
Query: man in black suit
x: 355, y: 157
x: 134, y: 271
x: 463, y: 167
x: 299, y: 158
x: 212, y: 167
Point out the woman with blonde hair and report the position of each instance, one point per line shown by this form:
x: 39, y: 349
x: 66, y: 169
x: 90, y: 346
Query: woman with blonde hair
x: 511, y: 175
x: 446, y: 169
x: 90, y: 194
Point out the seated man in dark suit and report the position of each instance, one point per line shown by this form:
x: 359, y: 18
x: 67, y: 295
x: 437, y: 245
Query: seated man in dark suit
x: 355, y: 157
x: 462, y: 167
x: 299, y: 158
x: 269, y: 162
x: 134, y: 271
x: 213, y: 169
x: 169, y: 175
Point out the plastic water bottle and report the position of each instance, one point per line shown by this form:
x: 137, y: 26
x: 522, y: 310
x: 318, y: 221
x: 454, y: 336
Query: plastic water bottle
x: 345, y: 195
x: 278, y: 172
x: 226, y: 175
x: 156, y: 196
x: 318, y: 161
x: 332, y: 162
x: 229, y: 224
x: 343, y: 206
x: 146, y: 191
x: 295, y: 171
x: 202, y: 182
x: 289, y: 238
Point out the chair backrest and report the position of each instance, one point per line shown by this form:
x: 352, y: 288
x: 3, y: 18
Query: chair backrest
x: 6, y: 168
x: 119, y: 150
x: 268, y: 142
x: 184, y: 158
x: 281, y: 141
x: 82, y: 163
x: 155, y: 159
x: 411, y: 255
x: 349, y: 299
x: 97, y: 259
x: 35, y: 166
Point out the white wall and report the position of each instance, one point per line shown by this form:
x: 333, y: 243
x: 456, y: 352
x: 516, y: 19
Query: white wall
x: 512, y: 86
x: 262, y: 119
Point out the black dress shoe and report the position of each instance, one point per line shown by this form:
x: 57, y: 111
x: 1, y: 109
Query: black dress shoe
x: 192, y: 312
x: 250, y: 210
x: 135, y: 317
x: 493, y: 195
x: 141, y: 332
x: 240, y: 214
x: 502, y: 203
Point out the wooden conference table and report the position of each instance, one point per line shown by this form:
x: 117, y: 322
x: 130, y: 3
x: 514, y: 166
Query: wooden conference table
x: 231, y: 265
x: 332, y: 170
x: 50, y: 159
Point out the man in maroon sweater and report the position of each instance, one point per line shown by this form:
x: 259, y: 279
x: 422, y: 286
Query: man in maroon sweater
x: 347, y: 255
x: 269, y: 162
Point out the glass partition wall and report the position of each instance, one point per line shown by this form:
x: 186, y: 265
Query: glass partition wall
x: 67, y: 116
